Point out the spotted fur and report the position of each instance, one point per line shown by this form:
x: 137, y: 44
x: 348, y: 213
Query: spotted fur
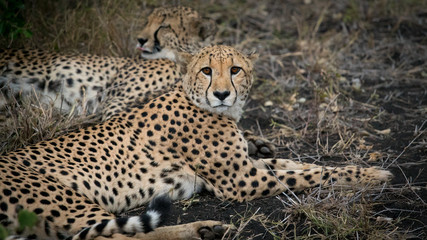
x: 176, y: 144
x: 87, y: 83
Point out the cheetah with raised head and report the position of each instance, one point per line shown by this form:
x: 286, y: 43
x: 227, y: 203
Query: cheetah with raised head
x: 177, y: 144
x: 93, y: 83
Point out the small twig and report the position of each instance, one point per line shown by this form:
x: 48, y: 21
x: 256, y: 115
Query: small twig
x: 259, y: 129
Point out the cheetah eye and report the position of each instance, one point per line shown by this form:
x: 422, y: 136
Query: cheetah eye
x: 207, y: 71
x: 235, y: 70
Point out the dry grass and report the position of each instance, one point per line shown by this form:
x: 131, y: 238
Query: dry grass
x: 338, y: 82
x: 105, y: 28
x: 329, y: 214
x: 29, y: 121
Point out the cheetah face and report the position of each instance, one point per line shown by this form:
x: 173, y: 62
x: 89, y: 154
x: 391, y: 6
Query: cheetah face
x: 170, y: 29
x: 161, y: 46
x: 218, y: 79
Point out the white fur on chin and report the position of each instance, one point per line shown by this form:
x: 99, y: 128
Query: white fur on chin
x: 164, y: 53
x: 235, y: 111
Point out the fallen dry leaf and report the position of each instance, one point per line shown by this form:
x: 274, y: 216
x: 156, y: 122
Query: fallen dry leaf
x: 374, y: 157
x: 384, y: 132
x: 362, y: 146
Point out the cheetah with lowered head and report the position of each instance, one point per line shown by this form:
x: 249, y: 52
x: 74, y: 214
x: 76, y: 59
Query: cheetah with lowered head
x: 177, y: 144
x: 91, y: 83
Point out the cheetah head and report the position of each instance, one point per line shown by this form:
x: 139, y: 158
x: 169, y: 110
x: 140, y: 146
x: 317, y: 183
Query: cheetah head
x: 173, y: 28
x: 218, y: 79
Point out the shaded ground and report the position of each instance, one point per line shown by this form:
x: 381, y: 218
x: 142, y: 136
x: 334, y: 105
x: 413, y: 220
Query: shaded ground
x: 339, y: 82
x: 380, y: 122
x: 355, y: 92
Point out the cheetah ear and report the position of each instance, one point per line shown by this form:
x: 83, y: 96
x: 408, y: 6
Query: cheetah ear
x: 253, y: 55
x: 206, y: 27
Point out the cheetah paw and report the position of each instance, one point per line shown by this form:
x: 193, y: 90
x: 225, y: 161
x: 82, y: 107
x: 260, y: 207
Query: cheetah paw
x: 258, y: 146
x: 216, y: 231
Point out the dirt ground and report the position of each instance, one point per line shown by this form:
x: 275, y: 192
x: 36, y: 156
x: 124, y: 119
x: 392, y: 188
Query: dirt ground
x: 338, y: 82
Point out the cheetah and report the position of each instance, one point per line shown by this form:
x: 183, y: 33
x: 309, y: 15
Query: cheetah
x: 91, y: 83
x: 176, y: 144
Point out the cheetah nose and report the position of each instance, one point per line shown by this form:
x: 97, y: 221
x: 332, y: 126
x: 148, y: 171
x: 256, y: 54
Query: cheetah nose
x: 221, y: 95
x: 142, y: 41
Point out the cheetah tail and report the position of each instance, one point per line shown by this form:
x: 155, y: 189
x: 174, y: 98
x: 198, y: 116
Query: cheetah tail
x: 155, y: 215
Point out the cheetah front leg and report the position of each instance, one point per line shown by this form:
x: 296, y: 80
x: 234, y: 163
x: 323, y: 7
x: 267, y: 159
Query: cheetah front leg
x: 206, y: 230
x: 249, y: 182
x: 286, y: 164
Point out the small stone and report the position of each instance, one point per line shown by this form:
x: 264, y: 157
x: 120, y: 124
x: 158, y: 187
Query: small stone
x: 301, y: 100
x: 268, y: 103
x: 356, y: 84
